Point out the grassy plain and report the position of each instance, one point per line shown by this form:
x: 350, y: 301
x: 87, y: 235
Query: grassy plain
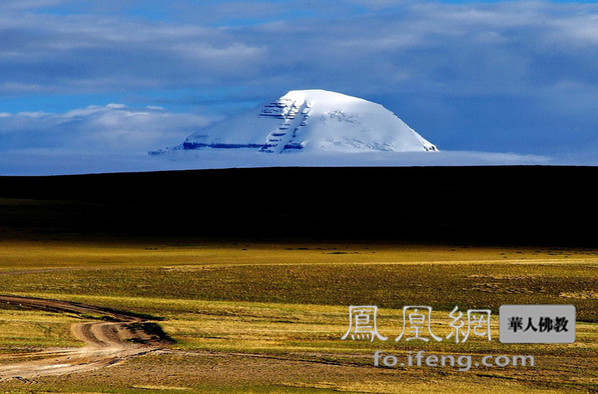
x: 268, y: 317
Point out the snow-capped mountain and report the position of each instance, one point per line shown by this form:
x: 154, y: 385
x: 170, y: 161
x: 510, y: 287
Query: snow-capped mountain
x: 310, y: 120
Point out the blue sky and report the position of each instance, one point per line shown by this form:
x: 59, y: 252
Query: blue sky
x: 496, y: 76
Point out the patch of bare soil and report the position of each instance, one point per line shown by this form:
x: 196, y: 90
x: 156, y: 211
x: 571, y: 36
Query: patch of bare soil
x: 114, y: 337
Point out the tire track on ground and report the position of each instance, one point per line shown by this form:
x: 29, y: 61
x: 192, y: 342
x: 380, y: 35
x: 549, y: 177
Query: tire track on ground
x: 115, y: 337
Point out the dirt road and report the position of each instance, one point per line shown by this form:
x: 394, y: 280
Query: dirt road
x: 114, y: 337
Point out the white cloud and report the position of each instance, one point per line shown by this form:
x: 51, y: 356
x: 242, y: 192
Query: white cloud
x: 109, y: 129
x: 483, y: 47
x: 50, y: 162
x: 8, y: 5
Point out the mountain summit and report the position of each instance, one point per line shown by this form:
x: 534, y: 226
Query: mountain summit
x: 310, y: 120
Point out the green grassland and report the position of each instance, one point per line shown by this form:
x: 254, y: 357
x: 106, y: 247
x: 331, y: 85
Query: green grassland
x: 268, y: 317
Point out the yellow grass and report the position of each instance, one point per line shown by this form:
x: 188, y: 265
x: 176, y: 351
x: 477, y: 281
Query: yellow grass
x: 267, y: 317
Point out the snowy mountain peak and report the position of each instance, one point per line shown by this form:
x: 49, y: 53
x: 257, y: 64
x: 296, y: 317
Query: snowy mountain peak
x: 311, y: 120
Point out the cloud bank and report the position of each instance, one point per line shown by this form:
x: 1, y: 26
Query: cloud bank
x: 110, y: 129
